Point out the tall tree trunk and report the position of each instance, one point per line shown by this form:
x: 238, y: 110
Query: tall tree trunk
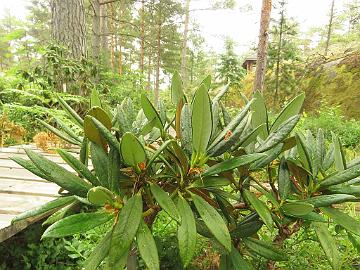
x: 104, y: 35
x: 329, y: 28
x: 120, y: 41
x: 158, y: 57
x: 142, y: 35
x: 148, y: 84
x: 68, y: 25
x: 112, y: 36
x: 96, y: 31
x: 262, y: 46
x: 279, y: 48
x: 184, y: 43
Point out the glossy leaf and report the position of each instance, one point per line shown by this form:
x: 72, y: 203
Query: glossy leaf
x: 296, y: 209
x: 100, y: 196
x: 213, y: 221
x: 100, y: 161
x: 124, y: 231
x: 339, y: 157
x: 147, y: 247
x: 260, y: 207
x: 341, y: 177
x: 71, y: 112
x: 284, y: 179
x: 132, y: 150
x: 105, y: 133
x: 349, y: 223
x: 260, y: 117
x: 165, y: 201
x: 176, y: 89
x: 327, y: 200
x: 186, y: 129
x: 186, y: 232
x: 75, y: 224
x: 264, y: 249
x: 91, y: 132
x: 150, y: 112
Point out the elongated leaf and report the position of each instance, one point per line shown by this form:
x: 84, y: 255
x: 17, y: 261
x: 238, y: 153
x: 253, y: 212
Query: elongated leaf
x: 265, y: 250
x: 345, y: 189
x: 328, y: 245
x: 270, y: 155
x: 114, y: 173
x: 186, y: 129
x: 349, y: 223
x: 278, y: 135
x: 284, y: 179
x: 165, y: 201
x: 58, y: 133
x: 159, y: 151
x: 105, y: 133
x: 132, y: 151
x: 125, y: 231
x: 91, y: 132
x: 314, y: 217
x: 213, y: 221
x: 150, y: 112
x: 79, y: 167
x: 78, y: 223
x: 238, y: 261
x: 354, y: 241
x: 339, y: 157
x: 100, y: 196
x: 249, y: 138
x: 67, y: 130
x: 304, y: 151
x: 212, y: 181
x: 84, y: 151
x: 100, y: 162
x: 319, y: 153
x: 45, y: 208
x: 329, y: 158
x: 30, y: 166
x: 99, y: 253
x: 186, y: 232
x: 247, y: 228
x: 59, y: 175
x: 201, y: 121
x: 260, y: 117
x: 225, y: 262
x: 95, y: 98
x: 327, y: 200
x: 292, y: 108
x: 176, y: 89
x: 296, y: 209
x: 59, y: 214
x: 341, y: 177
x: 147, y: 247
x: 232, y: 163
x: 260, y: 208
x: 71, y: 113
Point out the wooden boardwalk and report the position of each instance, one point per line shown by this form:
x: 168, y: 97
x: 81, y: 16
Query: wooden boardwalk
x: 20, y: 190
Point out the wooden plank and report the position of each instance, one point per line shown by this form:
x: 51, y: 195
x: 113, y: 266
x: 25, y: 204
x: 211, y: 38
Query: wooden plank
x: 12, y: 186
x: 11, y: 164
x: 21, y: 203
x: 7, y: 156
x: 18, y: 173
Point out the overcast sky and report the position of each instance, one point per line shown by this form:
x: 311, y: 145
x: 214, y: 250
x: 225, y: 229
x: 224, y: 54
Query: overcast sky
x: 241, y: 26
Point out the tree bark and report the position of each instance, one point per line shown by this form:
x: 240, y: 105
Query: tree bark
x: 120, y: 41
x: 112, y: 37
x: 96, y: 31
x: 277, y: 70
x: 68, y: 25
x: 158, y: 58
x: 262, y: 46
x: 142, y: 36
x: 184, y: 43
x: 329, y: 28
x: 104, y: 35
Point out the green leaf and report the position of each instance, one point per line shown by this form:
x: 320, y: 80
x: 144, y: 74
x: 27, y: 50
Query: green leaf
x: 165, y: 201
x: 314, y: 217
x: 213, y: 221
x: 99, y: 196
x: 158, y: 152
x: 78, y: 166
x: 259, y: 116
x: 319, y: 152
x: 105, y: 133
x: 177, y: 93
x: 91, y: 132
x: 186, y: 129
x: 186, y: 232
x: 45, y: 208
x: 349, y: 223
x: 59, y: 175
x: 70, y: 112
x: 95, y: 99
x: 284, y: 179
x: 265, y: 249
x: 150, y: 112
x: 147, y: 247
x: 124, y: 231
x: 238, y: 261
x: 114, y: 173
x: 132, y: 150
x: 278, y: 135
x: 201, y: 121
x: 304, y: 151
x: 327, y: 200
x: 328, y: 245
x: 67, y: 130
x: 354, y: 241
x: 59, y: 214
x: 100, y: 161
x: 270, y: 155
x: 99, y: 253
x: 78, y: 223
x: 261, y: 208
x: 59, y: 133
x: 329, y: 158
x: 296, y: 209
x: 292, y: 108
x: 345, y: 189
x: 247, y: 228
x: 341, y: 177
x: 212, y: 181
x: 340, y: 162
x: 232, y: 163
x: 30, y: 166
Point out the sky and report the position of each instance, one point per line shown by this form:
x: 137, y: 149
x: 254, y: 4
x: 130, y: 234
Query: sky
x: 237, y: 24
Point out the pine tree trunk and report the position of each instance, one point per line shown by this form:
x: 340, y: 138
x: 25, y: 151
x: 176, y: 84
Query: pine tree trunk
x: 148, y: 84
x: 184, y: 43
x: 68, y: 25
x: 158, y: 57
x: 262, y: 47
x: 142, y: 35
x: 277, y: 70
x: 112, y: 37
x: 104, y: 34
x: 329, y: 28
x: 96, y: 31
x: 119, y: 39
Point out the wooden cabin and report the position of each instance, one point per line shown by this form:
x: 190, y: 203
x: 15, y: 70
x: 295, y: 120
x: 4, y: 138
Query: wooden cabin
x: 249, y: 63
